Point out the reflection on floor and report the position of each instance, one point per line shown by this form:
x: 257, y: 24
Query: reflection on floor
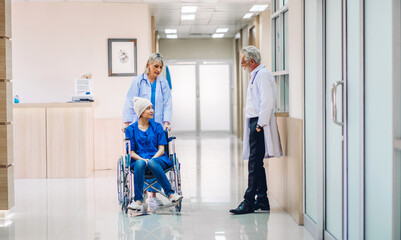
x: 214, y: 179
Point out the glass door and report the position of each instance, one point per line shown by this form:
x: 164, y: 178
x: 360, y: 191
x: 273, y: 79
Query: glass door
x: 334, y: 119
x: 214, y: 92
x: 201, y: 93
x: 333, y: 176
x: 184, y: 96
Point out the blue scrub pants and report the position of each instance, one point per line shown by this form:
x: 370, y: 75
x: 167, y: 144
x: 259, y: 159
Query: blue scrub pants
x: 157, y: 167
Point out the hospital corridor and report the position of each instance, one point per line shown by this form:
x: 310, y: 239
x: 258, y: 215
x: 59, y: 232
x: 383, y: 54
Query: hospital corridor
x: 200, y: 119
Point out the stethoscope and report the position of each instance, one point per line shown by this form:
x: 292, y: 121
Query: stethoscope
x: 253, y: 79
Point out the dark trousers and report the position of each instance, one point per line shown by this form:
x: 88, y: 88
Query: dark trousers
x: 256, y: 172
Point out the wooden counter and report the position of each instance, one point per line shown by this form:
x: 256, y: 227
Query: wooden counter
x: 53, y: 140
x: 54, y: 105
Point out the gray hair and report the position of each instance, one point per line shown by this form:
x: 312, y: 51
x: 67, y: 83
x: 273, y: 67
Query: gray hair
x: 251, y: 52
x: 154, y: 57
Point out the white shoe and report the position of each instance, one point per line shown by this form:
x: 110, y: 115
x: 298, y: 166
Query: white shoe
x: 154, y: 202
x: 136, y: 206
x: 174, y: 198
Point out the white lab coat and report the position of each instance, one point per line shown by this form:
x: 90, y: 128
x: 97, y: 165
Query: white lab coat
x: 263, y: 93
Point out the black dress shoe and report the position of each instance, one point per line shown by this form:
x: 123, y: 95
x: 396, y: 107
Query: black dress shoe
x: 262, y: 205
x: 243, y: 208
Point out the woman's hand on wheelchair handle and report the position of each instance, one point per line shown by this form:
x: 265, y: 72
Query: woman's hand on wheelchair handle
x: 125, y: 126
x: 166, y: 125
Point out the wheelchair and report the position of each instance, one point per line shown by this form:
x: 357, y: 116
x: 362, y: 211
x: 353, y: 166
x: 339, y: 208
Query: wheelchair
x: 125, y: 176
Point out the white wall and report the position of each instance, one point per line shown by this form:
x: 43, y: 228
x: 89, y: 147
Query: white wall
x: 245, y: 74
x: 194, y: 49
x: 265, y: 38
x: 295, y: 58
x: 55, y: 43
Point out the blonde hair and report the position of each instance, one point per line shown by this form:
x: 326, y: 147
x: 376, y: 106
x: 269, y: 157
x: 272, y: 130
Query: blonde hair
x: 154, y: 57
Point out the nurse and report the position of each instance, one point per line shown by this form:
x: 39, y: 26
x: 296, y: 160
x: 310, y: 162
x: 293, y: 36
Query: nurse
x: 152, y: 86
x: 147, y: 152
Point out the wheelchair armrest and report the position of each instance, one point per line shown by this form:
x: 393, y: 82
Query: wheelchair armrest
x: 167, y: 137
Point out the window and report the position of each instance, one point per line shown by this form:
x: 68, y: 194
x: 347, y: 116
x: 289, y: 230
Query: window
x: 282, y: 92
x: 279, y: 19
x: 279, y: 4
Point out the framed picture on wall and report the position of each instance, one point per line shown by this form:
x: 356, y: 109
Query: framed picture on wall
x: 122, y: 57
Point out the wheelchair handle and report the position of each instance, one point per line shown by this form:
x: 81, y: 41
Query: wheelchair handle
x: 127, y: 145
x: 170, y: 143
x: 171, y: 147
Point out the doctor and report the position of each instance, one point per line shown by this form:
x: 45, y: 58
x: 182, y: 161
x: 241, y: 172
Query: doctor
x: 152, y: 86
x: 261, y: 137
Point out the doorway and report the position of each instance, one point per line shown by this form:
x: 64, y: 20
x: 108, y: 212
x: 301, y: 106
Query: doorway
x: 202, y: 96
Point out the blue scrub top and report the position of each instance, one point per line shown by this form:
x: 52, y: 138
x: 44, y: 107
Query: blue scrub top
x: 141, y: 87
x: 145, y: 144
x: 153, y: 97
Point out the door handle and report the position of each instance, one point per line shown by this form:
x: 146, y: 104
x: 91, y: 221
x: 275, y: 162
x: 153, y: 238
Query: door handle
x: 334, y: 102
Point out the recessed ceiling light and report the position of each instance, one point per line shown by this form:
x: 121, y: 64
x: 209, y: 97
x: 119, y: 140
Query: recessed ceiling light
x: 218, y: 35
x: 173, y: 36
x: 189, y: 9
x: 258, y: 8
x: 188, y: 17
x: 167, y: 30
x: 248, y: 15
x: 222, y: 30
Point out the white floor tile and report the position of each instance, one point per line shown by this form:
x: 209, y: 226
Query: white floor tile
x: 214, y: 179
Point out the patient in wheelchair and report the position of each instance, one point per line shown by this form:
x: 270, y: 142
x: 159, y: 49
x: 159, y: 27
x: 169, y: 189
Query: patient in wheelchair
x: 147, y: 153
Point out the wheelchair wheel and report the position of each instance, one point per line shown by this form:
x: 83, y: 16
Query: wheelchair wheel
x: 126, y: 203
x: 178, y: 206
x: 120, y: 181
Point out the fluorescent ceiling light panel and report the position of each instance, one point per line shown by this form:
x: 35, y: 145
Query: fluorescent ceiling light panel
x: 218, y: 35
x: 189, y: 9
x: 172, y: 36
x: 248, y: 15
x: 188, y: 17
x: 167, y: 30
x: 222, y: 30
x: 258, y: 8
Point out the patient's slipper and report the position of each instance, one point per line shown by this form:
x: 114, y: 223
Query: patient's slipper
x: 137, y: 206
x: 175, y: 198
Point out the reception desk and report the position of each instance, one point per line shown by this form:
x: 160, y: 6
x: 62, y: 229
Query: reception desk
x: 53, y: 140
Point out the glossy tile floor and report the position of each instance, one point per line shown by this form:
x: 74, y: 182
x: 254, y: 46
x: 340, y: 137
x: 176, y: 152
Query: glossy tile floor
x: 213, y: 181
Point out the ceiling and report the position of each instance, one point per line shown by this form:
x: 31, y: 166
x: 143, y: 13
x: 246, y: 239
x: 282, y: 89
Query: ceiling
x: 210, y: 15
